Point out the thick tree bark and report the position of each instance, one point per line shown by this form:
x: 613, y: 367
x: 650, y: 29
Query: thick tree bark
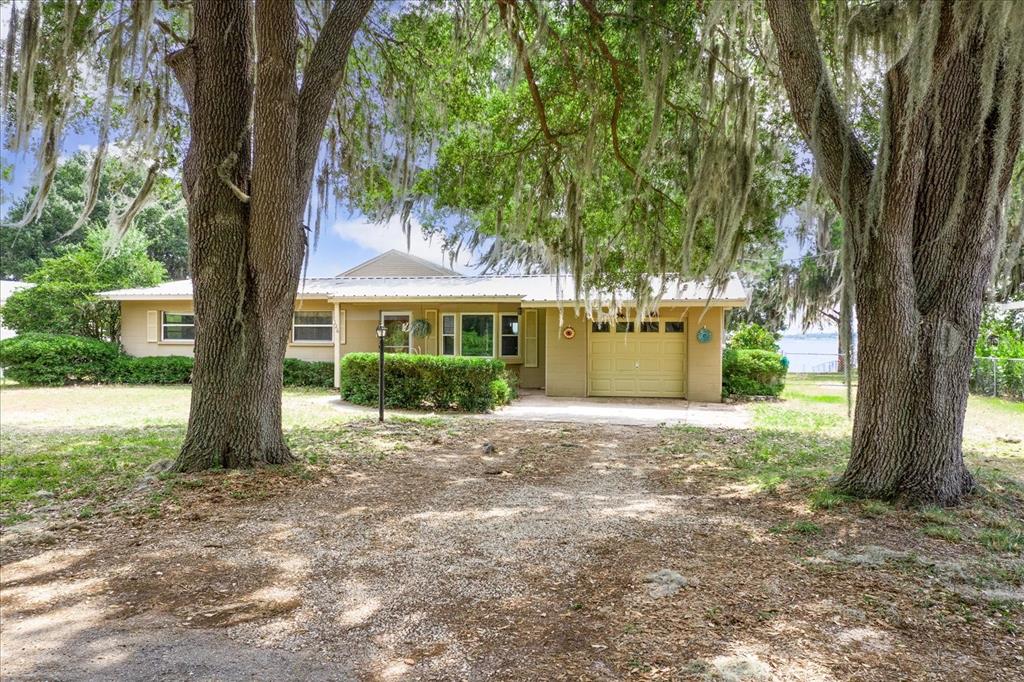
x: 923, y: 246
x: 247, y: 178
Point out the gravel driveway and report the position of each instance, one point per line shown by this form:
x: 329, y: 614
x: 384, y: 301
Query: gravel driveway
x: 571, y: 551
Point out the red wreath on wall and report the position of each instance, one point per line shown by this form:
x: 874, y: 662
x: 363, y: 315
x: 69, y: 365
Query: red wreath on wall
x: 569, y: 333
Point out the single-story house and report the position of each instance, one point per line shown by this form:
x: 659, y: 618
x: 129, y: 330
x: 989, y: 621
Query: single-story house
x: 529, y: 322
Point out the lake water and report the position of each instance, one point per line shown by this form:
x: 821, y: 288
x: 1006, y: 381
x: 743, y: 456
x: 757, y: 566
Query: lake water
x: 810, y: 352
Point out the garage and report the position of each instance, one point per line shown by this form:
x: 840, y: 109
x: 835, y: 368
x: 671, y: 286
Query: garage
x: 640, y: 359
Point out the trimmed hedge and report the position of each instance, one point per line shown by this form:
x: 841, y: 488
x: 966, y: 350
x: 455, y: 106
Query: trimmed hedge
x: 752, y: 372
x: 59, y: 359
x: 154, y: 369
x: 418, y: 381
x: 313, y: 374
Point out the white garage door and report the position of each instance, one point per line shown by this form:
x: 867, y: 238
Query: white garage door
x: 638, y: 359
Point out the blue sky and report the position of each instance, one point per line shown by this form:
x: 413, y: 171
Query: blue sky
x: 345, y: 240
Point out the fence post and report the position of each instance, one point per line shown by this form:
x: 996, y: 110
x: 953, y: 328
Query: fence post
x: 995, y: 380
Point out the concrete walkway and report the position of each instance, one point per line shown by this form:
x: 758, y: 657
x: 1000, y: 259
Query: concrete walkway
x: 534, y: 406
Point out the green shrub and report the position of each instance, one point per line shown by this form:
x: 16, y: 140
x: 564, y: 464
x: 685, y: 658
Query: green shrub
x: 156, y: 369
x: 312, y: 374
x: 416, y: 381
x: 752, y: 372
x: 57, y: 359
x: 753, y: 336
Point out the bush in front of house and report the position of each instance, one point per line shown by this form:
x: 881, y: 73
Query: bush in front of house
x: 418, y: 381
x: 61, y: 359
x: 153, y: 369
x: 311, y: 374
x: 57, y: 359
x: 752, y: 372
x: 752, y: 336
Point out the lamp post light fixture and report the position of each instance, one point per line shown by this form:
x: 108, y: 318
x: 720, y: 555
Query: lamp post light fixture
x: 381, y: 333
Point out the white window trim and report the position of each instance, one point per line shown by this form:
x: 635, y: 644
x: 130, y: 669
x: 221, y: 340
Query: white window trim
x: 329, y: 325
x: 518, y: 335
x: 164, y: 325
x: 454, y: 335
x: 407, y: 313
x: 494, y: 336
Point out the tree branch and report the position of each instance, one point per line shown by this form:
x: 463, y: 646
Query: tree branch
x: 183, y: 65
x: 320, y: 82
x: 506, y: 16
x: 845, y: 167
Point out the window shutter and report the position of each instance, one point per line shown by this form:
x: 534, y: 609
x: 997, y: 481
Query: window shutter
x: 152, y: 326
x: 530, y: 338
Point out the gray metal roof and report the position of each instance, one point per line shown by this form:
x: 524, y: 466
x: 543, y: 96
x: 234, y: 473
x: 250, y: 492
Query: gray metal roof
x: 535, y: 289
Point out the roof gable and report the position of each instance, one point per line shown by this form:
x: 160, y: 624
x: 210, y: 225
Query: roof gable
x: 394, y: 263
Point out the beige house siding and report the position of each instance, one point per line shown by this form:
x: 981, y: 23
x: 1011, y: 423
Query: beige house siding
x: 704, y: 360
x: 360, y: 320
x: 566, y: 369
x: 134, y: 331
x: 561, y: 363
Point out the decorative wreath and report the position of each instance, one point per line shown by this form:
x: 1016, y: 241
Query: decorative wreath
x: 569, y: 333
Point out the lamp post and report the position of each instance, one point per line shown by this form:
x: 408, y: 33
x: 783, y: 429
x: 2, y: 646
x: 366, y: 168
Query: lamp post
x: 381, y: 333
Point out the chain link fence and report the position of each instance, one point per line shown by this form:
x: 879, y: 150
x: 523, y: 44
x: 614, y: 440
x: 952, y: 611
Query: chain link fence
x: 998, y: 377
x: 995, y: 377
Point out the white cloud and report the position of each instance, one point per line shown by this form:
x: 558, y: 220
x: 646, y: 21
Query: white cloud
x: 384, y: 237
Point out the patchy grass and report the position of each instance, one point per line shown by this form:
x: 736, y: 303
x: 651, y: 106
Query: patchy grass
x: 943, y: 532
x: 38, y: 469
x: 1002, y: 539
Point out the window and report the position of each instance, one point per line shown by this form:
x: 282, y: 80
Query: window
x: 447, y: 335
x: 621, y: 327
x: 651, y: 327
x: 477, y: 335
x: 510, y: 335
x: 397, y: 338
x: 673, y: 327
x: 600, y: 327
x: 178, y: 327
x: 314, y: 326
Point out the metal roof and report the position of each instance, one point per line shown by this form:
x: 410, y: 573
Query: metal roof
x: 534, y: 289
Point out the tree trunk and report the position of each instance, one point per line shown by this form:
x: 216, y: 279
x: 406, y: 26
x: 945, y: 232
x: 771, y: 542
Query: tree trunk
x: 924, y: 229
x: 246, y: 183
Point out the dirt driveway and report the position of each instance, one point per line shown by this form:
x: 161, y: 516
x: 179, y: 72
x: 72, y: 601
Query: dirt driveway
x: 571, y: 552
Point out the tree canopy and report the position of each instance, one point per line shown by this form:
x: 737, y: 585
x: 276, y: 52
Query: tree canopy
x: 64, y: 301
x: 162, y: 222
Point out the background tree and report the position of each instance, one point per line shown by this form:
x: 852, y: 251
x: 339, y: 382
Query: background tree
x: 64, y: 299
x: 163, y: 221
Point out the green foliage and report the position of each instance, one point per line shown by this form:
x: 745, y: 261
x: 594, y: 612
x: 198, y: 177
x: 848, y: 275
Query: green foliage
x: 416, y: 381
x: 999, y: 367
x: 614, y: 126
x: 753, y: 336
x: 60, y: 359
x: 163, y: 224
x: 752, y: 372
x: 157, y: 369
x: 311, y: 374
x: 64, y: 301
x: 56, y: 360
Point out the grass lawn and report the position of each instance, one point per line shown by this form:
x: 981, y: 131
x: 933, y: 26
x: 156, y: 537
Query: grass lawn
x: 574, y: 551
